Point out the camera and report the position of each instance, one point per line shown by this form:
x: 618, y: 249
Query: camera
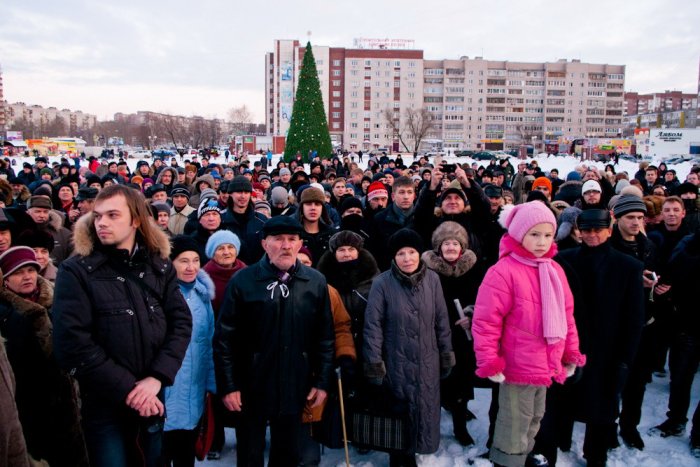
x: 448, y: 168
x: 651, y: 276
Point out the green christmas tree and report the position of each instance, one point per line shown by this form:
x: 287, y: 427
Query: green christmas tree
x: 308, y: 130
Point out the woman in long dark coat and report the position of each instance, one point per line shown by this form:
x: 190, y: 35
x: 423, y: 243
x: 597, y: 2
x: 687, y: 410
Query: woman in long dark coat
x: 460, y: 277
x: 407, y: 341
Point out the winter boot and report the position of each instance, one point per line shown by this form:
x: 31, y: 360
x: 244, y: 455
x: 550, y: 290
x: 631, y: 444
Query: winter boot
x: 459, y: 423
x: 631, y: 437
x: 668, y: 428
x: 536, y: 460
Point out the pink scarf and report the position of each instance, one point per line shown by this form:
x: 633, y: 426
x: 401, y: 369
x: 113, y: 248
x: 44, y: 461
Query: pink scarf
x: 551, y: 288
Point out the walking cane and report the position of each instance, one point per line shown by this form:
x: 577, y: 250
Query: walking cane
x: 342, y: 417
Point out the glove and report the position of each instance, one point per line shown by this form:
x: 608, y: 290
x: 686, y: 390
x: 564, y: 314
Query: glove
x: 570, y: 369
x: 445, y: 372
x: 497, y: 378
x: 347, y: 371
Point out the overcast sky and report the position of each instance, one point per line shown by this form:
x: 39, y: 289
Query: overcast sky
x: 205, y: 57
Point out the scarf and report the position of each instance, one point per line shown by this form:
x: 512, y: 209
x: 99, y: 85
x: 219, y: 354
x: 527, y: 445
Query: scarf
x: 551, y: 288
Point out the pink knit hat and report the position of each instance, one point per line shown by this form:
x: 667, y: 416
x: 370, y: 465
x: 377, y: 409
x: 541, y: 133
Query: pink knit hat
x: 525, y: 216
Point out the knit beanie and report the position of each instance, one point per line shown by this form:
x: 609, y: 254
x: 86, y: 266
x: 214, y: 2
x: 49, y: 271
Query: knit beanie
x: 450, y: 230
x: 222, y: 237
x: 405, y: 238
x: 240, y: 184
x: 376, y: 190
x: 542, y: 181
x: 347, y: 203
x: 181, y: 244
x: 208, y: 205
x: 345, y: 238
x: 521, y: 218
x: 620, y: 185
x: 279, y: 195
x: 180, y: 190
x: 453, y: 187
x: 632, y: 190
x: 628, y: 203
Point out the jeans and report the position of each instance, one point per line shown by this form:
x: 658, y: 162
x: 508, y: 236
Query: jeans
x: 123, y: 439
x: 683, y: 364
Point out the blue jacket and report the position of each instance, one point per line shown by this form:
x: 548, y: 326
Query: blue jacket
x: 184, y: 400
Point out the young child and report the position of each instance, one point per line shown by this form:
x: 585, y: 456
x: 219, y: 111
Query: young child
x: 524, y: 330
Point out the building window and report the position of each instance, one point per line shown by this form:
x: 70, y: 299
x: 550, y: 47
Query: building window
x: 336, y: 63
x: 336, y: 114
x: 336, y: 82
x: 336, y: 72
x: 336, y: 93
x: 336, y: 125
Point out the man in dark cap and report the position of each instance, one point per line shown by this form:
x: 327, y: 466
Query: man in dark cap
x: 181, y: 210
x: 274, y: 346
x: 610, y: 326
x: 84, y: 202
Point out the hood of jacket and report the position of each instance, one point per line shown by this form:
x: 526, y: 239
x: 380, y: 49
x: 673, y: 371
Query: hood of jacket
x: 204, y: 178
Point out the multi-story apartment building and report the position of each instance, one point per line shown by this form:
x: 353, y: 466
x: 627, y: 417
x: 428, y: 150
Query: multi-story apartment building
x: 474, y: 103
x: 3, y: 105
x: 499, y: 104
x: 40, y: 116
x: 659, y: 102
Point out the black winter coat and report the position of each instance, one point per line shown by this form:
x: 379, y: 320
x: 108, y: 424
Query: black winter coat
x: 684, y: 268
x: 249, y: 232
x: 614, y: 316
x: 110, y: 330
x: 459, y: 281
x: 384, y: 225
x: 271, y: 347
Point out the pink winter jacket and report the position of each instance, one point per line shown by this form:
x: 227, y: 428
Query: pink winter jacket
x: 507, y: 326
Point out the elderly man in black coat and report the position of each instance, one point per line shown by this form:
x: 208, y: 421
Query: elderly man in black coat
x: 274, y: 346
x: 610, y: 330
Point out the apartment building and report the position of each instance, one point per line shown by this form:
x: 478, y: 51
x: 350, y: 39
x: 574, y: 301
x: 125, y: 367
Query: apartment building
x: 474, y: 103
x: 659, y: 102
x: 40, y: 116
x: 487, y: 104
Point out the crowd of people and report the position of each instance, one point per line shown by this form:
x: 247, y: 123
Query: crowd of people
x: 133, y: 305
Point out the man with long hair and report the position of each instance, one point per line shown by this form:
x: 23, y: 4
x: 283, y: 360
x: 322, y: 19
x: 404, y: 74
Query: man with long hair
x: 121, y: 327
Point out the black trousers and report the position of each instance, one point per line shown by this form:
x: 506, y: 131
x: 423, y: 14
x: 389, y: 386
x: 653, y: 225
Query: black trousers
x: 597, y: 441
x: 639, y: 376
x: 284, y: 439
x: 178, y: 448
x: 683, y: 364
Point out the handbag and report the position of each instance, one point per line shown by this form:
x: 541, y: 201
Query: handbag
x: 329, y: 429
x: 383, y: 424
x: 205, y: 430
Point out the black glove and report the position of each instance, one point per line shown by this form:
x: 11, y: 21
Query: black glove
x: 348, y: 374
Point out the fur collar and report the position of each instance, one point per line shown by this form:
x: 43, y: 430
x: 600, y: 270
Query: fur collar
x: 204, y: 285
x: 438, y: 264
x: 55, y: 220
x: 84, y: 241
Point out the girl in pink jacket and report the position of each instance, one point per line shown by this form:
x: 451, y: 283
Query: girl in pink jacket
x: 524, y: 329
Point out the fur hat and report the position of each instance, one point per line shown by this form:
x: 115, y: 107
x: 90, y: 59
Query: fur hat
x: 521, y: 218
x: 279, y: 195
x: 620, y: 185
x: 405, y: 238
x: 240, y: 184
x: 222, y: 237
x: 450, y: 230
x: 39, y: 201
x: 312, y: 194
x: 569, y: 192
x: 35, y: 238
x: 345, y: 238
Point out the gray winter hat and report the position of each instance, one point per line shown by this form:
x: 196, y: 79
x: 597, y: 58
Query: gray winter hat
x: 567, y: 220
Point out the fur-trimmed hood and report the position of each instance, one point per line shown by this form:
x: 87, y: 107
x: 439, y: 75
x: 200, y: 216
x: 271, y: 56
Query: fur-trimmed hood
x: 345, y: 278
x: 450, y: 230
x: 84, y: 238
x: 56, y: 220
x: 36, y: 313
x: 204, y: 178
x: 205, y: 285
x: 172, y: 171
x: 438, y: 264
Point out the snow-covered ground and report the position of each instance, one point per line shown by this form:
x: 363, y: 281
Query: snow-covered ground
x: 659, y: 452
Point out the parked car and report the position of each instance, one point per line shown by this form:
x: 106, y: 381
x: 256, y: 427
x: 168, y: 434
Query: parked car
x: 483, y: 156
x: 140, y: 154
x: 465, y: 153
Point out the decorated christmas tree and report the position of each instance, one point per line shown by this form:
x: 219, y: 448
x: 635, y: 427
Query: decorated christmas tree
x: 308, y: 130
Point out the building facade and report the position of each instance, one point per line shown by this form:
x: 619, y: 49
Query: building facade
x: 659, y: 102
x: 40, y: 118
x: 473, y: 103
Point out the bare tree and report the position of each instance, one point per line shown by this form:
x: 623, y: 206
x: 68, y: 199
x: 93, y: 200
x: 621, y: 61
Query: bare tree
x: 412, y: 128
x: 240, y: 119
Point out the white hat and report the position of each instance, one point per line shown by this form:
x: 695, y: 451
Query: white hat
x: 591, y: 185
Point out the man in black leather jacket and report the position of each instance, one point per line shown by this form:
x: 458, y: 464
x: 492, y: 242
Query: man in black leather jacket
x: 121, y: 327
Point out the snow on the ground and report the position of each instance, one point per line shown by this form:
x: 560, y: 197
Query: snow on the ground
x: 659, y: 452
